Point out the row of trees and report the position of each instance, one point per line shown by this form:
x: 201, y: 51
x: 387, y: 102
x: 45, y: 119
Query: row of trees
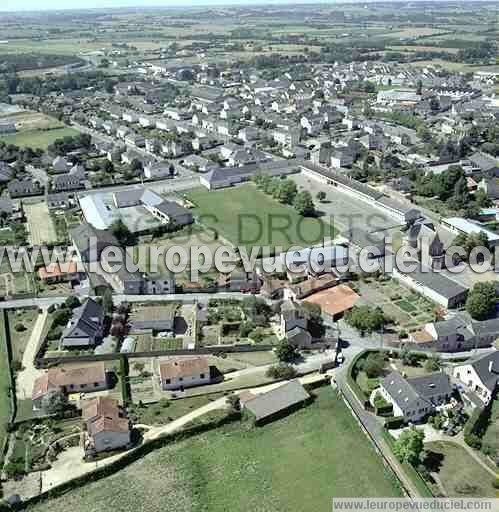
x: 286, y: 192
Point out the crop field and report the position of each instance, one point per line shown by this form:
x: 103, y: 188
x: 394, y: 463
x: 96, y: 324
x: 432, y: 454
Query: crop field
x: 38, y: 138
x: 247, y: 217
x: 297, y: 463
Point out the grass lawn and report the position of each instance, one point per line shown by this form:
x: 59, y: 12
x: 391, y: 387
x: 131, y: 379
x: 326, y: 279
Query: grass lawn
x: 247, y: 217
x: 38, y: 138
x: 458, y: 472
x: 292, y: 465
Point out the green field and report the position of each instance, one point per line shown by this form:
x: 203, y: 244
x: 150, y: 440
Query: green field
x: 247, y: 217
x: 38, y: 138
x: 292, y: 465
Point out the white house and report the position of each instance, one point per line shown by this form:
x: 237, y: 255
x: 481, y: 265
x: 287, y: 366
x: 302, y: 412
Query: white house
x: 480, y: 375
x: 179, y: 373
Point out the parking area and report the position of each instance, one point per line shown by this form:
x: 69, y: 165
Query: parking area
x: 353, y: 217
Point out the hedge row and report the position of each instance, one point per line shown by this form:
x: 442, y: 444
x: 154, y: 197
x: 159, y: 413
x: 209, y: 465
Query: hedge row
x: 476, y: 426
x: 352, y: 378
x: 393, y: 422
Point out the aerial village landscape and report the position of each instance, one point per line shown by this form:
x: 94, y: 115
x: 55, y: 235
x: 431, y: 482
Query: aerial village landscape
x: 259, y: 171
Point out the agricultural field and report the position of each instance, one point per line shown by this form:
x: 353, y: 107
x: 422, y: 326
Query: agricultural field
x: 247, y: 217
x: 291, y: 465
x: 38, y: 139
x: 458, y: 473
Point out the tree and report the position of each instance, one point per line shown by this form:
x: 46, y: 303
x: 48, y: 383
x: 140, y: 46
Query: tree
x: 54, y: 402
x: 432, y: 364
x: 482, y: 300
x: 286, y: 191
x: 285, y: 352
x: 374, y: 365
x: 409, y: 446
x: 72, y: 302
x: 107, y: 302
x: 408, y: 358
x: 136, y: 165
x: 365, y: 319
x: 122, y: 233
x: 304, y: 204
x: 321, y: 196
x: 419, y: 87
x: 461, y: 194
x: 108, y: 167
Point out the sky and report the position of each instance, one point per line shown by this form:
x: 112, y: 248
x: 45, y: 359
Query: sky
x: 38, y: 5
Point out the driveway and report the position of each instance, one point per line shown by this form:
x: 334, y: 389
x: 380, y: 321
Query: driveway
x: 26, y: 377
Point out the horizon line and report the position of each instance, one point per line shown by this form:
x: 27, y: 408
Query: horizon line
x: 231, y: 3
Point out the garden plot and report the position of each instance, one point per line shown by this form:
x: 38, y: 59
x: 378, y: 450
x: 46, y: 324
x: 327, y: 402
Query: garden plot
x: 408, y: 309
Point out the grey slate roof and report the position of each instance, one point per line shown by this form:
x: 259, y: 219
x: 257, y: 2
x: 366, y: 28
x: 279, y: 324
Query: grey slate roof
x: 438, y: 283
x: 481, y: 365
x: 427, y: 386
x: 402, y: 393
x: 86, y: 320
x: 276, y: 400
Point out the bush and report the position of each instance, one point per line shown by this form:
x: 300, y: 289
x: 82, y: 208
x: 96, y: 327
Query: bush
x: 473, y: 440
x: 393, y: 422
x: 72, y: 302
x: 20, y: 327
x: 281, y: 371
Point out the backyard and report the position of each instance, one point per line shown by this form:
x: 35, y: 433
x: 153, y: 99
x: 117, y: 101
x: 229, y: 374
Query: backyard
x: 458, y: 474
x: 247, y: 217
x: 21, y: 322
x: 294, y: 464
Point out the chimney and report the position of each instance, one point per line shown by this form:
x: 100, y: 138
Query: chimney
x: 491, y: 365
